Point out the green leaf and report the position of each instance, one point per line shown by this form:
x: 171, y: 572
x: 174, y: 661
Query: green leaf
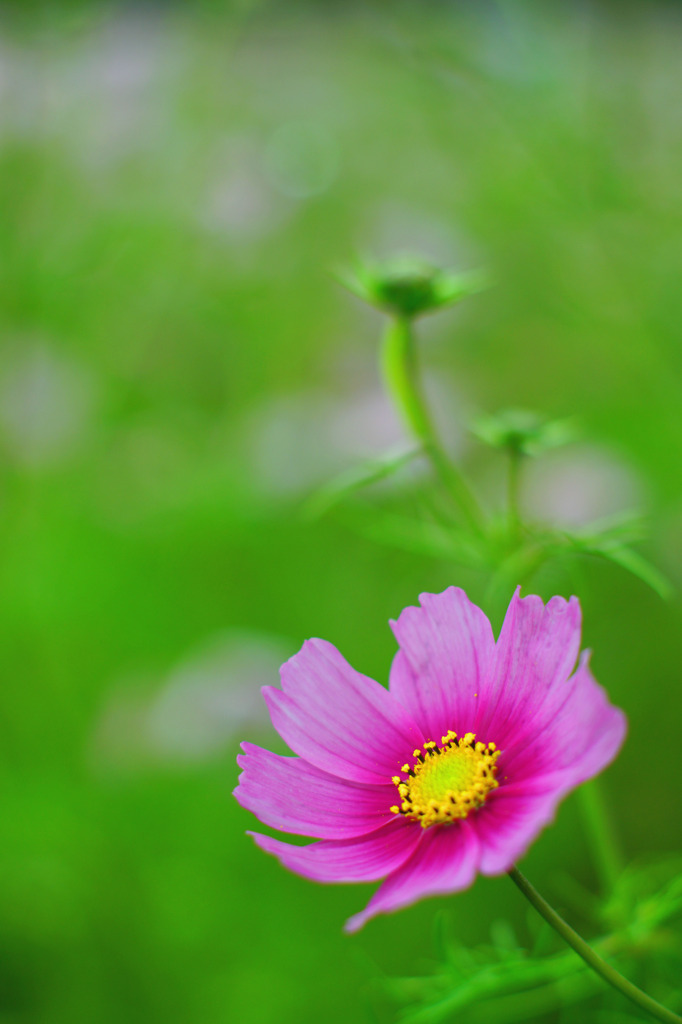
x: 650, y: 893
x: 354, y: 479
x: 626, y: 527
x: 620, y: 554
x: 503, y: 938
x: 610, y: 539
x: 515, y: 989
x: 442, y: 940
x: 505, y: 984
x: 640, y: 567
x: 417, y: 536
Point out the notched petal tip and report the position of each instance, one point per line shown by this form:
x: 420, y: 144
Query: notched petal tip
x: 428, y: 596
x: 312, y: 646
x: 556, y: 606
x: 250, y: 749
x: 533, y: 601
x: 429, y: 601
x: 446, y: 646
x: 272, y: 695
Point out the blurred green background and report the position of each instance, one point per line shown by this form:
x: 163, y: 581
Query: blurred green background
x: 179, y: 370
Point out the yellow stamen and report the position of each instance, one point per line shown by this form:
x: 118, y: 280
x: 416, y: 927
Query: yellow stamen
x: 454, y: 780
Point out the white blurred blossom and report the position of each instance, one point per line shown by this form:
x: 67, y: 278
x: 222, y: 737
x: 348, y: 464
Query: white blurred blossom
x: 302, y: 158
x: 207, y: 701
x: 213, y: 696
x: 239, y: 201
x: 298, y: 441
x: 579, y: 485
x: 46, y: 403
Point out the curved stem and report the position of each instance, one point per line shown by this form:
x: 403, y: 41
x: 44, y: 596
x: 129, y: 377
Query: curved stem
x: 399, y: 369
x: 592, y: 959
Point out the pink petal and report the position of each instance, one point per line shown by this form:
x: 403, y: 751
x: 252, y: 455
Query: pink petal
x: 509, y: 823
x: 576, y: 733
x: 289, y: 794
x: 363, y: 859
x: 444, y: 862
x: 577, y: 739
x: 446, y: 649
x: 338, y: 719
x: 535, y: 654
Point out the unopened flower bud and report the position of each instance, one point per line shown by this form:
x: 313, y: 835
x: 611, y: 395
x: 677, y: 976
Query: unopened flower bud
x: 408, y: 286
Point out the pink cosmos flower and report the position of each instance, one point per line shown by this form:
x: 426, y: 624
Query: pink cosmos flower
x: 453, y: 770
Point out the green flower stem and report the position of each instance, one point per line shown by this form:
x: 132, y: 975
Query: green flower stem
x: 607, y: 856
x: 513, y: 486
x: 592, y: 959
x: 399, y: 368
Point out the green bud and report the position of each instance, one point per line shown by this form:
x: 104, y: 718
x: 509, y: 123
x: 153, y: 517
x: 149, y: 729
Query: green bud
x: 407, y: 286
x: 523, y: 432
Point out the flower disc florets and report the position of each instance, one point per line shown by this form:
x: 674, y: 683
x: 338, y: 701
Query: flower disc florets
x: 447, y: 782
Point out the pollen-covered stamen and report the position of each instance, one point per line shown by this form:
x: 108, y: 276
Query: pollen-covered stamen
x: 447, y: 782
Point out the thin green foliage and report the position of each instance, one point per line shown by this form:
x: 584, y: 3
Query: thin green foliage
x: 509, y: 983
x: 510, y: 548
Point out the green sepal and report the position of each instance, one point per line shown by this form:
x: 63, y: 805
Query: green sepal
x: 408, y: 286
x: 523, y: 431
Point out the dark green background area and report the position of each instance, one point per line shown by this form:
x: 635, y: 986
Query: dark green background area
x: 179, y: 370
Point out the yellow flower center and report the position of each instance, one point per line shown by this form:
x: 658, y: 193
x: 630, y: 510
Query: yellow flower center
x: 447, y: 782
